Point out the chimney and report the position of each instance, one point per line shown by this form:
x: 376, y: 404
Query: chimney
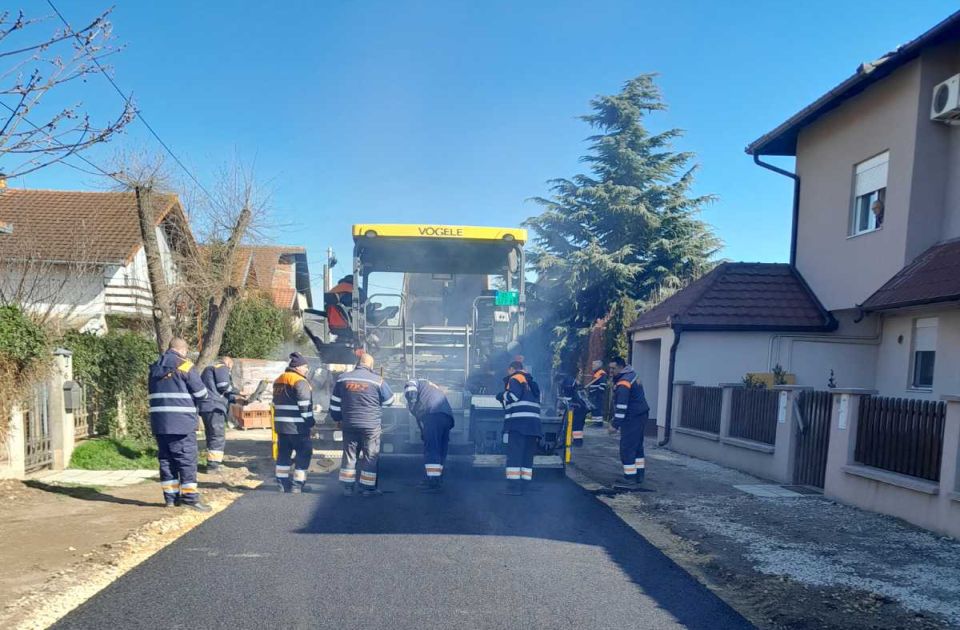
x: 3, y: 181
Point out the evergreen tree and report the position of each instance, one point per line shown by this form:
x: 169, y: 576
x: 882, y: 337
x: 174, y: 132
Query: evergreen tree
x: 624, y: 235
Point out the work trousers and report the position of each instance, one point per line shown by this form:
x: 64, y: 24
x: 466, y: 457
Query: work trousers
x: 631, y: 447
x: 579, y: 420
x: 520, y: 451
x: 361, y: 450
x: 436, y: 440
x: 293, y: 450
x: 178, y: 467
x: 215, y: 430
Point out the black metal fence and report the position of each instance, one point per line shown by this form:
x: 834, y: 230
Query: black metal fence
x: 814, y: 409
x: 701, y: 408
x: 38, y: 446
x: 753, y: 414
x: 902, y: 435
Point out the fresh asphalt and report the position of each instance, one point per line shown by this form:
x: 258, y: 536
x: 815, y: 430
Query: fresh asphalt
x: 470, y: 557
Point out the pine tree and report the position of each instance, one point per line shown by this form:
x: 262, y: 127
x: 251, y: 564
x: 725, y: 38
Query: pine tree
x: 625, y: 234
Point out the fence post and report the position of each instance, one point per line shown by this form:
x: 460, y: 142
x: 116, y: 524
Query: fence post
x: 61, y: 422
x: 15, y: 446
x: 785, y: 445
x: 677, y: 412
x: 950, y: 464
x: 843, y: 433
x: 726, y: 407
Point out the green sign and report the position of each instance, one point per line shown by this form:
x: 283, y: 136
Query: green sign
x: 507, y: 298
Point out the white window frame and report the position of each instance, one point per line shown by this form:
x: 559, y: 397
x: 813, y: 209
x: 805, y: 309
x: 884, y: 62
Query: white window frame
x: 869, y: 186
x: 923, y: 339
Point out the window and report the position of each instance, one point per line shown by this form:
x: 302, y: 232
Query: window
x: 924, y: 352
x: 869, y: 194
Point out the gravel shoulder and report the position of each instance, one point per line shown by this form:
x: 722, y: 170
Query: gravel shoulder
x: 803, y: 562
x: 64, y: 543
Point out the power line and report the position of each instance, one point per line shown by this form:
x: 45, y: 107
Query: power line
x: 128, y: 102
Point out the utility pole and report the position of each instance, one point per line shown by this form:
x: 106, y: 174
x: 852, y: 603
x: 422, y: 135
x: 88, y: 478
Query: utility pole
x: 327, y: 284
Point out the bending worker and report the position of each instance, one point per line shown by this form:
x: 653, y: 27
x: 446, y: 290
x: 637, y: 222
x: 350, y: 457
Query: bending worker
x: 213, y: 410
x: 630, y: 414
x: 175, y: 391
x: 597, y: 392
x: 521, y: 425
x: 356, y: 406
x: 578, y: 407
x: 292, y: 421
x: 429, y: 405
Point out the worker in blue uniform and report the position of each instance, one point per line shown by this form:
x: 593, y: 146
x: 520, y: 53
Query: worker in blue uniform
x: 292, y: 421
x: 630, y: 413
x: 356, y: 405
x: 521, y: 425
x: 597, y: 392
x: 213, y: 410
x: 175, y: 391
x: 429, y: 405
x: 577, y: 405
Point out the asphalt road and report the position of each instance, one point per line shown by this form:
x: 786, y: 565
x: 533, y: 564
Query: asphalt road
x: 468, y: 558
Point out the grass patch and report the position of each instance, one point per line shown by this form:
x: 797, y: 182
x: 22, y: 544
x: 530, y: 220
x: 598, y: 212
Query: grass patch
x: 111, y: 454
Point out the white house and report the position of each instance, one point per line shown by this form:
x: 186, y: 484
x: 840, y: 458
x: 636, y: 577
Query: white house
x: 78, y: 256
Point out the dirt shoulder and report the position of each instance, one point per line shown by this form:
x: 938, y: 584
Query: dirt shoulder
x: 63, y: 544
x: 800, y: 562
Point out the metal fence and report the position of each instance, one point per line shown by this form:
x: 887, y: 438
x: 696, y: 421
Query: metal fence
x: 85, y: 418
x: 753, y: 414
x: 38, y: 446
x: 814, y: 409
x: 902, y: 435
x: 701, y: 408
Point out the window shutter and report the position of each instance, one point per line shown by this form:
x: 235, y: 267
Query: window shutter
x: 925, y: 337
x: 872, y: 174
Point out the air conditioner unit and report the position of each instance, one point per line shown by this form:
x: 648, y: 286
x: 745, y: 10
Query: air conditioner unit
x: 945, y: 105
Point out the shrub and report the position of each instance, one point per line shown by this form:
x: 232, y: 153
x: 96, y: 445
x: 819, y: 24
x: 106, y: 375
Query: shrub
x: 114, y: 454
x: 24, y: 358
x: 254, y: 330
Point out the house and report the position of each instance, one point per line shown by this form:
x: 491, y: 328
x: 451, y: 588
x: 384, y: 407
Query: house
x: 866, y: 312
x: 78, y: 256
x: 278, y: 271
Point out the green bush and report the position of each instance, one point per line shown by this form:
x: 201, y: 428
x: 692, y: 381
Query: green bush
x: 21, y: 340
x: 114, y: 368
x: 254, y: 330
x: 114, y: 454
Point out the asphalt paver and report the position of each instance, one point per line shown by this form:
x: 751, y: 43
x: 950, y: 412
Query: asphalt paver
x: 468, y: 557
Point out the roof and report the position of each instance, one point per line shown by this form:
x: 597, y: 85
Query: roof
x: 75, y: 226
x: 933, y: 276
x: 742, y: 296
x: 263, y: 266
x: 783, y: 139
x: 430, y: 231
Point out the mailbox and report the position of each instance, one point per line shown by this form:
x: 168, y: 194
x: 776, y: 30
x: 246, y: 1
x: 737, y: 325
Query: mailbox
x: 72, y: 397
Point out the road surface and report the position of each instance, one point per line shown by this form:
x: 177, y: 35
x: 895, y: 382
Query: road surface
x: 468, y: 558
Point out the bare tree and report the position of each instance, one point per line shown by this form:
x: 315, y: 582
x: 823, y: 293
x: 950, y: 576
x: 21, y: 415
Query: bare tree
x: 40, y: 58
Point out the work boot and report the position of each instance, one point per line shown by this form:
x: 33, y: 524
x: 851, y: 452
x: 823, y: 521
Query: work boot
x: 372, y: 492
x: 347, y: 489
x: 199, y: 507
x: 282, y: 487
x: 514, y: 489
x: 640, y: 475
x: 299, y: 488
x: 169, y: 503
x: 213, y: 468
x: 429, y: 485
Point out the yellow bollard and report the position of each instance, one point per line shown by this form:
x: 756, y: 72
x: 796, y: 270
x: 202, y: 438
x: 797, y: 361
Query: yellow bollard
x: 273, y: 434
x: 569, y: 440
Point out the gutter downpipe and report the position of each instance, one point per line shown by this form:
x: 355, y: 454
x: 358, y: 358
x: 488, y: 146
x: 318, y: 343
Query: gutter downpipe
x: 677, y: 329
x: 796, y: 202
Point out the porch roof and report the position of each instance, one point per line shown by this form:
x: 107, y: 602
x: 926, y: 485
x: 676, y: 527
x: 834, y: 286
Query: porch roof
x: 932, y: 277
x: 742, y: 296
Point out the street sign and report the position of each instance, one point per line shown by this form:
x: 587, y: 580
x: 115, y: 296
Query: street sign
x: 507, y: 298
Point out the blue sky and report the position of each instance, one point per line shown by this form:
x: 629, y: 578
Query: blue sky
x: 458, y: 112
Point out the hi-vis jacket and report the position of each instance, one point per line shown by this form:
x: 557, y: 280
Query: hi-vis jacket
x: 292, y: 404
x: 357, y: 399
x: 596, y: 388
x: 521, y: 402
x: 175, y: 391
x: 216, y: 378
x: 425, y: 398
x: 629, y: 401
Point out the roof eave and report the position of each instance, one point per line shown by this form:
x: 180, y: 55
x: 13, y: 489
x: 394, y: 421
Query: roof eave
x: 910, y: 303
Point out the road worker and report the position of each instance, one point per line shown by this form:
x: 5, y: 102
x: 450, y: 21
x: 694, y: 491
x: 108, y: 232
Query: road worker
x: 521, y: 425
x: 597, y: 392
x: 292, y: 421
x: 213, y: 411
x: 575, y: 403
x: 356, y: 406
x: 630, y: 413
x: 429, y: 405
x: 175, y: 391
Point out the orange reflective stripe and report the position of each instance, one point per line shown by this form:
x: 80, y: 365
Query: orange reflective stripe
x: 625, y: 383
x: 599, y: 374
x: 520, y: 378
x: 288, y: 378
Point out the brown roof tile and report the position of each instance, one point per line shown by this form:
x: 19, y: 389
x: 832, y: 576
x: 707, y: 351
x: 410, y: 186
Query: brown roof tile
x: 74, y: 226
x: 742, y: 296
x: 266, y: 258
x: 933, y: 276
